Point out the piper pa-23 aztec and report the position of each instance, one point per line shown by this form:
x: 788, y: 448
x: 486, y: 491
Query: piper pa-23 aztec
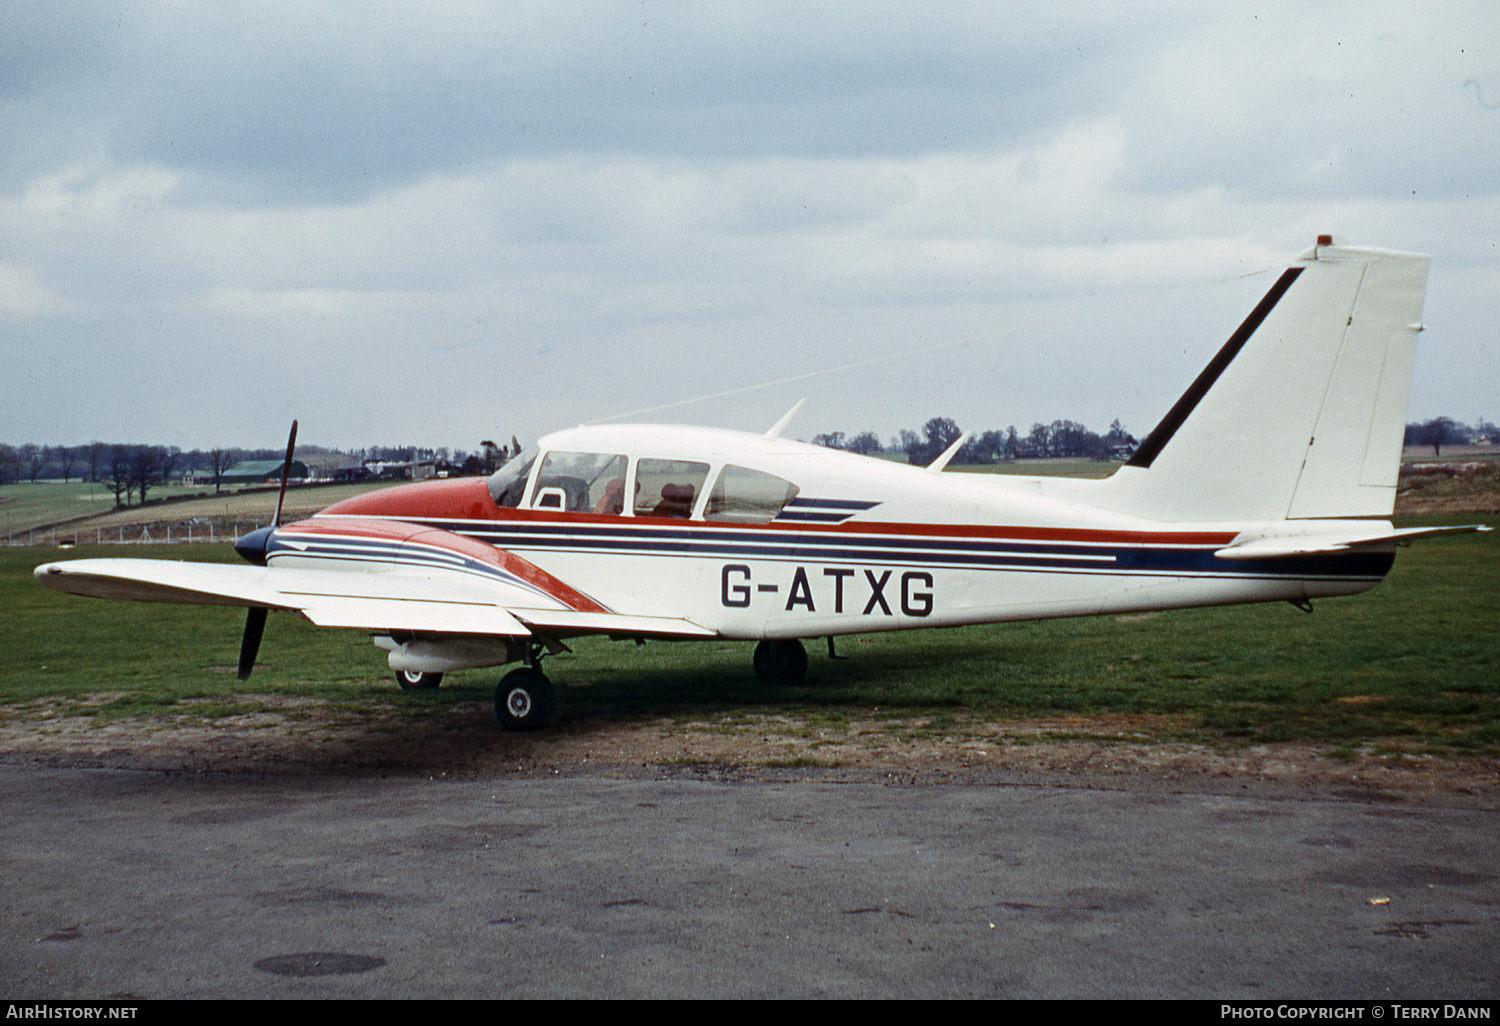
x: 1257, y: 486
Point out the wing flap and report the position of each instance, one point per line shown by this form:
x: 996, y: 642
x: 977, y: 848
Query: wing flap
x: 567, y: 621
x: 406, y: 615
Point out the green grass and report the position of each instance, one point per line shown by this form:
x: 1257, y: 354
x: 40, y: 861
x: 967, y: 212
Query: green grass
x: 1414, y: 663
x: 25, y: 506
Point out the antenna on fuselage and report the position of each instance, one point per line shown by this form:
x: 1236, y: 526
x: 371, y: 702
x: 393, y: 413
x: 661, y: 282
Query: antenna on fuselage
x: 937, y: 465
x: 786, y: 419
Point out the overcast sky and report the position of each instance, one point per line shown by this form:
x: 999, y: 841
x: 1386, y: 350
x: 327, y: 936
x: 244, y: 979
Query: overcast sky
x: 438, y: 223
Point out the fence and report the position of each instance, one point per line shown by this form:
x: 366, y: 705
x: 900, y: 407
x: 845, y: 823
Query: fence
x: 134, y: 534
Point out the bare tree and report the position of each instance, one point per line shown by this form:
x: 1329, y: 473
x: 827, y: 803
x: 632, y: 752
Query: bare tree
x: 493, y: 454
x: 939, y: 433
x: 221, y: 462
x: 167, y: 458
x: 1442, y: 431
x: 145, y: 468
x: 96, y: 451
x: 989, y: 447
x: 1039, y: 441
x: 119, y: 473
x: 34, y: 457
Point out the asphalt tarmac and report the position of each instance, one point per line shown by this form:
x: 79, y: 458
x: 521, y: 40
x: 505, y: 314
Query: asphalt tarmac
x: 142, y: 885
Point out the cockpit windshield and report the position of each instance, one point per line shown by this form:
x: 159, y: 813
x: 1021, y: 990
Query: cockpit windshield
x: 508, y: 484
x: 595, y: 482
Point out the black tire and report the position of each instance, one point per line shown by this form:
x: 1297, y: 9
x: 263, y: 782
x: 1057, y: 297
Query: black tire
x: 524, y: 700
x: 781, y: 662
x: 413, y: 681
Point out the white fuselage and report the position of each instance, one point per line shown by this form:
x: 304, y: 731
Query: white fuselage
x: 864, y: 544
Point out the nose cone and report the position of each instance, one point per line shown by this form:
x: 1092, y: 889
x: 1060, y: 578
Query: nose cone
x: 252, y: 547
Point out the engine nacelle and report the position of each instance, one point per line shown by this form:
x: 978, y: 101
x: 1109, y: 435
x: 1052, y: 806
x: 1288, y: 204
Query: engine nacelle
x: 448, y: 654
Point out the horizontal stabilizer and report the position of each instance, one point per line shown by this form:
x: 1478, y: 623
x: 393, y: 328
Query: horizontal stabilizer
x: 1330, y: 544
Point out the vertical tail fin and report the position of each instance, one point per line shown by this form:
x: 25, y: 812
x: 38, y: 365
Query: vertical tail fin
x: 1302, y: 412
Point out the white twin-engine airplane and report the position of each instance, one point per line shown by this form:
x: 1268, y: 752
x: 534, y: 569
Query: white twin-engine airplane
x: 1247, y: 491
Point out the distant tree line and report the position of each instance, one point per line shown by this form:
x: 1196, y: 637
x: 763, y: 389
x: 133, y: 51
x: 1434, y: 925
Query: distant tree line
x: 483, y: 461
x: 1069, y: 439
x: 131, y: 471
x: 1061, y: 438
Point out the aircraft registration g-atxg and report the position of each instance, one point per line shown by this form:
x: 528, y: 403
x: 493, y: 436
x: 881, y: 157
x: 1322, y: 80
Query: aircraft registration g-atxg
x: 1267, y: 481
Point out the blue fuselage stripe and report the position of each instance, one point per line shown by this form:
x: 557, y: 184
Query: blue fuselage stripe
x: 952, y: 553
x: 383, y: 551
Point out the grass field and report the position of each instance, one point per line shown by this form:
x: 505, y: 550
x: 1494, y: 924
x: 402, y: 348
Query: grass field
x: 85, y: 508
x: 1413, y: 665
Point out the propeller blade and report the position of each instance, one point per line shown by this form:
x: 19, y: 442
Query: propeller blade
x: 286, y: 470
x: 255, y: 617
x: 255, y: 626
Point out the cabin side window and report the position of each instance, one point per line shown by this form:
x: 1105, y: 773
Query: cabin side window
x: 668, y: 488
x: 508, y: 484
x: 581, y: 482
x: 744, y: 496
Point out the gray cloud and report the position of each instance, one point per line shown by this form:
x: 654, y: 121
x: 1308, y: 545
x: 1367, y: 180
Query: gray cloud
x: 442, y: 224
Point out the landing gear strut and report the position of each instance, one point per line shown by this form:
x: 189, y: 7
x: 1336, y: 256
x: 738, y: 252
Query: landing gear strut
x: 781, y: 662
x: 524, y: 699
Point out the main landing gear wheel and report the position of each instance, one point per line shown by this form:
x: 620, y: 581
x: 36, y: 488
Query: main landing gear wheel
x: 524, y: 700
x: 410, y: 680
x: 781, y: 662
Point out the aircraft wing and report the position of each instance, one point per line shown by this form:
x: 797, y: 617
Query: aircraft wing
x: 1277, y: 547
x: 427, y: 599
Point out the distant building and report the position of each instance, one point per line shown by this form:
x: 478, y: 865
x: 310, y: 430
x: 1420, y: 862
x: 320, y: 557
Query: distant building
x: 253, y: 472
x: 352, y: 470
x: 322, y: 465
x: 401, y: 470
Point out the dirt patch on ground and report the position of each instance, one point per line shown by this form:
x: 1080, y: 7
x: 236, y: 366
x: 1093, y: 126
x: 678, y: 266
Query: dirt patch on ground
x: 303, y: 737
x: 1450, y: 487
